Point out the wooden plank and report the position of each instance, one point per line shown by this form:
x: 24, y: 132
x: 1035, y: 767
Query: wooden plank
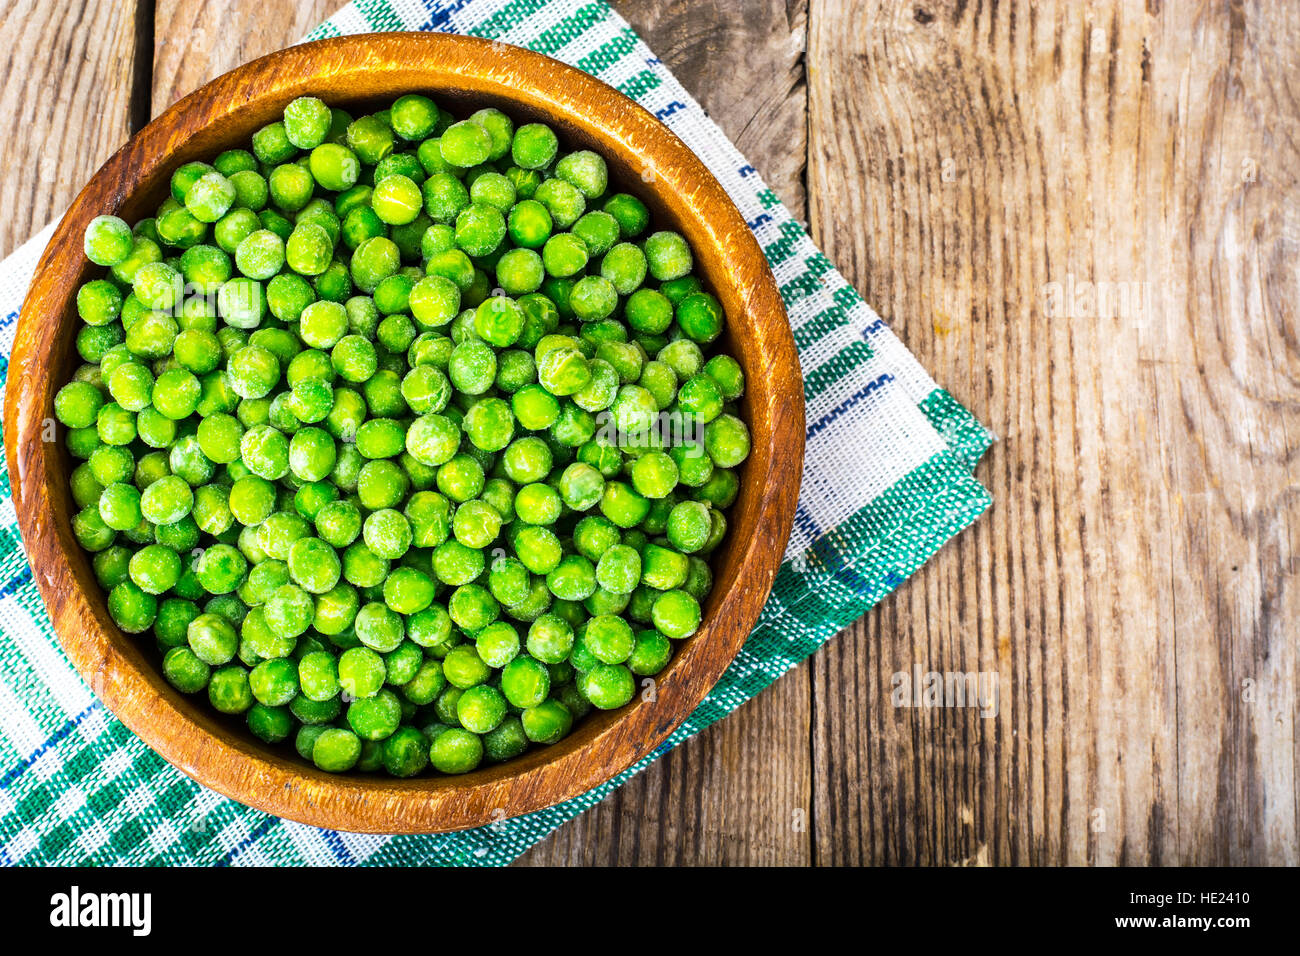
x: 977, y: 170
x: 196, y: 40
x: 66, y: 83
x: 746, y: 68
x: 741, y: 792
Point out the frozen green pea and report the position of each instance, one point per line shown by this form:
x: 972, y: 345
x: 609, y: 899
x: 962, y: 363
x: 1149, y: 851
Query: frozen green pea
x: 308, y: 250
x: 314, y: 565
x: 260, y: 255
x: 212, y: 639
x: 609, y: 638
x: 547, y: 722
x: 77, y: 404
x: 274, y: 682
x: 405, y: 752
x: 408, y: 591
x: 676, y: 614
x: 132, y: 609
x: 506, y: 741
x: 220, y: 569
x: 480, y: 709
x: 581, y: 486
x: 667, y: 255
x: 370, y: 138
x: 361, y: 672
x: 210, y: 197
x: 377, y: 717
x: 624, y: 267
x: 336, y: 610
x: 726, y: 439
x: 608, y: 686
x: 185, y: 671
x: 689, y: 526
x: 414, y: 116
x: 480, y: 229
x: 650, y: 654
x: 489, y: 424
x: 456, y: 751
x: 464, y: 668
x: 289, y: 611
x: 155, y: 569
x: 396, y: 200
x: 465, y: 144
x: 99, y: 302
x: 373, y: 261
x: 619, y: 569
x: 306, y: 122
x: 108, y: 241
x: 550, y: 639
x: 562, y: 200
x: 336, y: 750
x: 229, y: 691
x: 334, y: 166
x: 599, y: 232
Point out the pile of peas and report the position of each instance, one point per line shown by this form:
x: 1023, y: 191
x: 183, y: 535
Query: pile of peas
x: 370, y: 435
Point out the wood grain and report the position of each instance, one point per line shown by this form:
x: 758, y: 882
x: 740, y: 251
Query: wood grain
x: 1134, y: 584
x: 68, y: 71
x: 463, y: 73
x: 198, y: 40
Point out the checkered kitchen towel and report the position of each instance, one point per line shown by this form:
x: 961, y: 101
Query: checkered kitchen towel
x: 887, y: 480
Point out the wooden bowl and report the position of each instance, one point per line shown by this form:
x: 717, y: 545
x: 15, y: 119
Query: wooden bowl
x: 464, y: 74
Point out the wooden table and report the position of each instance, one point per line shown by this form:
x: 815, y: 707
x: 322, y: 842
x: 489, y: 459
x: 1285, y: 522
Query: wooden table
x: 1085, y: 220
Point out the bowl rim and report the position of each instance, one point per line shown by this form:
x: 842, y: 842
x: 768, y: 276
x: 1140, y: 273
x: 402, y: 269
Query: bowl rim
x: 192, y: 738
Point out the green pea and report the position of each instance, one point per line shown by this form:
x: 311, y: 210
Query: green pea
x: 481, y: 709
x: 155, y: 568
x: 506, y: 741
x: 465, y: 144
x: 562, y: 200
x: 361, y: 672
x: 336, y: 750
x: 334, y: 166
x: 377, y: 717
x: 586, y: 171
x: 108, y: 241
x: 676, y: 614
x: 363, y: 567
x: 370, y: 138
x: 599, y: 231
x: 228, y: 689
x: 456, y: 751
x: 480, y: 229
x: 624, y: 266
x: 306, y: 122
x: 525, y: 682
x: 650, y: 654
x: 529, y: 227
x: 274, y: 682
x: 547, y: 723
x: 289, y: 611
x: 608, y: 686
x: 397, y: 200
x: 185, y: 671
x: 405, y: 752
